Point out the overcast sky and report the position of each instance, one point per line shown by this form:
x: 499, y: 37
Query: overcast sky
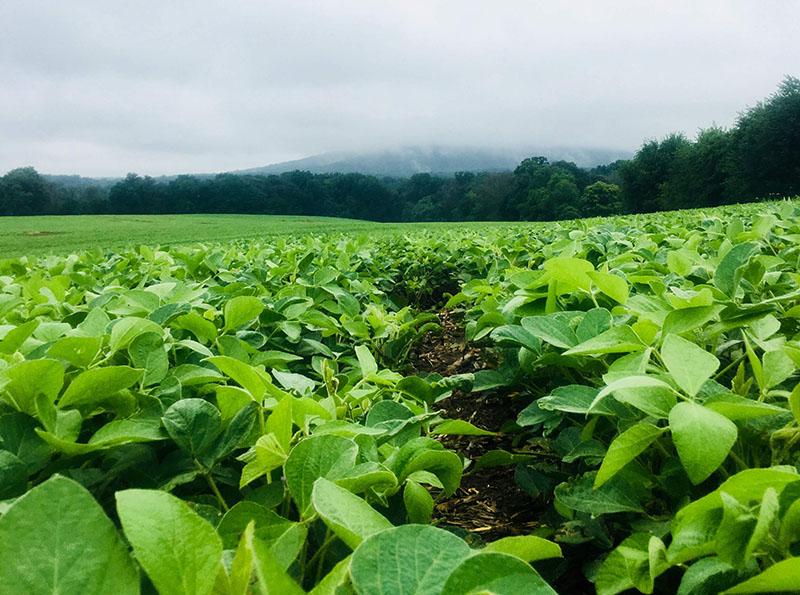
x: 105, y: 87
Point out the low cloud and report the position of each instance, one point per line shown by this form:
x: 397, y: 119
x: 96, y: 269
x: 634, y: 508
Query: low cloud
x: 101, y: 88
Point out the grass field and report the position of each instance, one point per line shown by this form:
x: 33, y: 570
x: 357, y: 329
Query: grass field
x: 69, y: 233
x: 61, y: 234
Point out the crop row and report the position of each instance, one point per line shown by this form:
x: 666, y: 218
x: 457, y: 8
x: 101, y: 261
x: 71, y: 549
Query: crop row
x: 245, y: 417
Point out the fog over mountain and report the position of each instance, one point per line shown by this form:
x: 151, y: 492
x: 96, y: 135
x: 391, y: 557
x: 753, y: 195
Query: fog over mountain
x: 407, y: 161
x: 103, y: 88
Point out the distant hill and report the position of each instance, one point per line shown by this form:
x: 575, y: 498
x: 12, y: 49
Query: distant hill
x: 399, y: 163
x: 408, y: 161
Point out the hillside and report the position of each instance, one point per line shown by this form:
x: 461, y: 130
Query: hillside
x: 408, y: 161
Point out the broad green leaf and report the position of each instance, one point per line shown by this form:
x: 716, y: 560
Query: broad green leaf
x: 347, y: 515
x: 125, y: 330
x: 271, y: 576
x: 688, y: 319
x: 243, y: 374
x: 179, y: 550
x: 418, y: 502
x: 782, y: 577
x: 706, y: 576
x: 550, y: 329
x: 777, y: 367
x: 407, y: 560
x: 619, y: 339
x: 28, y: 380
x: 692, y: 427
x: 147, y: 353
x: 687, y: 363
x: 241, y: 311
x: 495, y: 573
x: 728, y: 273
x: 626, y: 447
x: 194, y: 425
x: 13, y: 475
x: 628, y: 388
x: 95, y: 386
x: 459, y: 427
x: 318, y: 456
x: 613, y: 496
x: 767, y: 515
x: 516, y: 335
x: 16, y: 337
x: 528, y: 548
x: 626, y: 567
x: 612, y: 285
x: 366, y: 361
x: 57, y: 539
x: 596, y: 321
x: 79, y: 351
x: 334, y: 580
x: 569, y: 271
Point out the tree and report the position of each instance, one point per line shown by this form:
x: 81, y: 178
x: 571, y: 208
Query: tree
x: 599, y: 200
x: 765, y: 160
x: 24, y: 192
x: 645, y: 175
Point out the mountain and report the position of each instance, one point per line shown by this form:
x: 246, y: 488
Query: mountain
x: 408, y: 161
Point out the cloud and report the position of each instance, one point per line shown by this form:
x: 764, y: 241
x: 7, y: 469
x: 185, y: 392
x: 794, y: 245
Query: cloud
x: 102, y: 88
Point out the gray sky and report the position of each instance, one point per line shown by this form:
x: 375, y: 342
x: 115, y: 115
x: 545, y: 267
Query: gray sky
x: 104, y: 87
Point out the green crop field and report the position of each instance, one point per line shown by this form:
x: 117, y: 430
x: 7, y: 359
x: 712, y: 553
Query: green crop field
x: 39, y: 235
x: 62, y: 234
x: 234, y: 404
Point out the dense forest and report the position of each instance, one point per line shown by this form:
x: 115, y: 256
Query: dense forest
x: 758, y: 158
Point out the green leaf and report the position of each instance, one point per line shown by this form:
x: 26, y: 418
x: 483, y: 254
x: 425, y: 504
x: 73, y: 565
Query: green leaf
x: 125, y: 330
x: 418, y: 502
x: 626, y: 447
x: 644, y: 392
x: 57, y: 539
x: 334, y: 581
x: 147, y: 353
x: 407, y: 560
x: 179, y: 550
x: 243, y: 374
x: 528, y: 548
x: 271, y: 577
x: 347, y: 515
x: 240, y: 311
x: 79, y: 351
x: 702, y: 437
x: 687, y: 363
x: 30, y: 379
x: 366, y: 361
x: 626, y: 567
x: 613, y: 496
x: 688, y: 319
x: 495, y: 573
x: 619, y: 339
x: 13, y: 475
x: 15, y: 338
x: 777, y: 367
x: 729, y: 271
x: 778, y: 578
x: 459, y: 427
x: 550, y: 329
x: 95, y: 386
x: 516, y: 335
x: 318, y: 456
x: 194, y: 425
x: 612, y: 285
x: 707, y: 576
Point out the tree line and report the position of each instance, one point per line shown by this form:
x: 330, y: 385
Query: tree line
x: 757, y: 158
